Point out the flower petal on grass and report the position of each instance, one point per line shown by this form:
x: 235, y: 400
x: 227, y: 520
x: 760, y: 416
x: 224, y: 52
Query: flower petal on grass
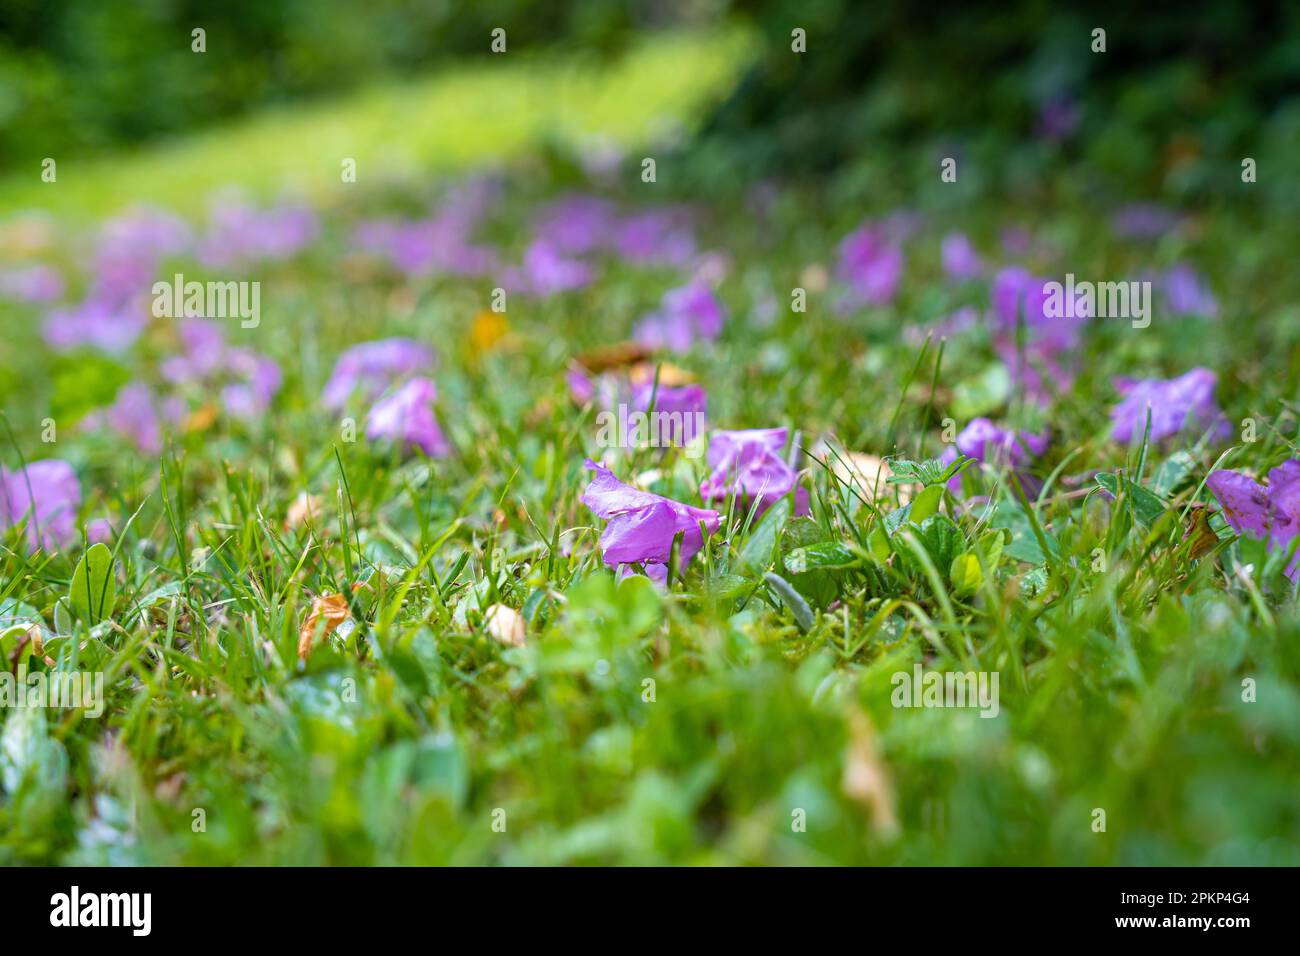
x: 642, y: 525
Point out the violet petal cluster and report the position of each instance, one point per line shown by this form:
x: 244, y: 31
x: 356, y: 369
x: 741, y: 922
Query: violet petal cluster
x: 1271, y: 512
x: 405, y: 417
x: 46, y: 495
x: 1175, y: 404
x: 749, y: 464
x: 641, y: 526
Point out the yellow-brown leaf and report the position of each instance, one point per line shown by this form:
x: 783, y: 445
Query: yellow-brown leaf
x: 332, y: 609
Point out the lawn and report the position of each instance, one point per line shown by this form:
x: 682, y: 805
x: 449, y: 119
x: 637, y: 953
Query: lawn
x: 333, y: 629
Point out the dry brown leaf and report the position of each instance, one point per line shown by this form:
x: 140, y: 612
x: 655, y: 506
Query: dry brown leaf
x: 814, y: 277
x: 33, y: 637
x: 1198, y: 529
x: 868, y: 473
x: 332, y: 609
x: 866, y: 778
x: 619, y: 355
x: 402, y: 300
x: 669, y: 374
x: 201, y: 419
x: 505, y: 624
x: 305, y: 509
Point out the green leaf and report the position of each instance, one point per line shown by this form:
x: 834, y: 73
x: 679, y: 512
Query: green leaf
x: 965, y: 574
x: 724, y: 587
x: 1023, y: 543
x: 819, y: 587
x: 16, y: 612
x: 1033, y: 582
x: 801, y: 532
x: 1173, y: 473
x: 62, y: 616
x: 792, y: 599
x: 926, y: 503
x: 894, y: 520
x: 30, y: 756
x: 933, y: 471
x: 942, y: 539
x: 1147, y: 507
x: 981, y: 394
x: 94, y: 588
x: 991, y: 544
x: 10, y: 638
x: 84, y: 383
x: 756, y: 555
x: 824, y: 556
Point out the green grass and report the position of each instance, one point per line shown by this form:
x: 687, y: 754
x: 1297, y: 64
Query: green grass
x: 405, y: 740
x: 453, y: 121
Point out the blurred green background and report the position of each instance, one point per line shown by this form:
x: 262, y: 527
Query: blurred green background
x: 1182, y: 92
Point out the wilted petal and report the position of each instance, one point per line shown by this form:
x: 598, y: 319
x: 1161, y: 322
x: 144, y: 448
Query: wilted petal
x: 1176, y: 403
x: 371, y: 368
x: 871, y: 265
x: 406, y: 417
x: 749, y: 465
x: 52, y: 485
x: 642, y: 525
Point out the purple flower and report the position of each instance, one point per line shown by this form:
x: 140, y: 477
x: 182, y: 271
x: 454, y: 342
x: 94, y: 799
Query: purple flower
x: 1143, y: 220
x: 96, y: 323
x: 581, y: 387
x: 687, y: 401
x: 46, y: 495
x: 576, y: 224
x: 246, y: 380
x: 547, y: 272
x: 406, y: 417
x: 685, y: 314
x: 1175, y: 403
x: 960, y: 261
x: 658, y: 237
x: 469, y: 201
x: 1058, y: 118
x: 642, y: 525
x: 964, y: 319
x: 870, y: 265
x: 1045, y: 339
x: 240, y: 234
x: 1272, y: 512
x: 130, y: 247
x: 988, y: 444
x: 35, y: 284
x: 256, y: 379
x: 202, y: 348
x: 749, y: 464
x: 133, y: 416
x: 145, y: 233
x: 371, y: 368
x: 1016, y: 240
x: 427, y: 246
x: 1187, y: 294
x: 115, y: 310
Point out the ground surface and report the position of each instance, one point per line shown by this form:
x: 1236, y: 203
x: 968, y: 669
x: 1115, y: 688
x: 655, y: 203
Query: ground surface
x: 718, y: 720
